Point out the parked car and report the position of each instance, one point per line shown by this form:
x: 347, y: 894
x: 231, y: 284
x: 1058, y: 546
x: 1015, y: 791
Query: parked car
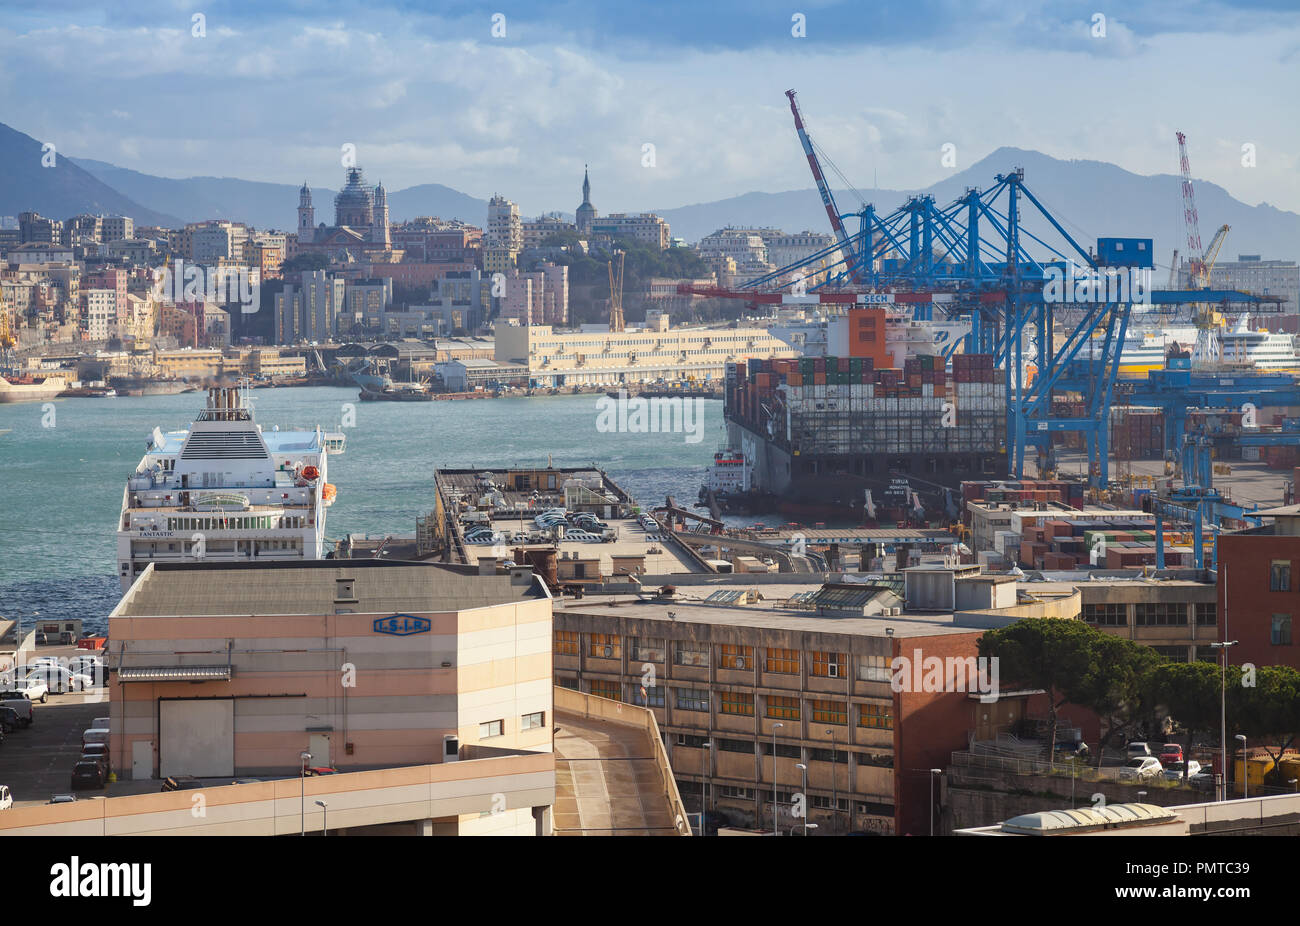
x: 98, y: 758
x: 94, y: 735
x: 1138, y: 749
x: 92, y: 666
x: 9, y: 721
x: 6, y: 799
x: 88, y: 773
x: 34, y: 688
x: 19, y: 703
x: 314, y: 770
x: 59, y: 679
x: 98, y: 751
x: 1174, y: 770
x: 1170, y: 752
x: 42, y: 639
x: 62, y: 799
x: 1142, y: 767
x: 582, y: 536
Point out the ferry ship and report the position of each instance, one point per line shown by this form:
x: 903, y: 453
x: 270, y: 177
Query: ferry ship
x: 31, y: 388
x: 225, y: 490
x: 1145, y: 349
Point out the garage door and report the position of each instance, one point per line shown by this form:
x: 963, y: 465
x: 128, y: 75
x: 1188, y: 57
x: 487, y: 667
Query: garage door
x: 197, y: 738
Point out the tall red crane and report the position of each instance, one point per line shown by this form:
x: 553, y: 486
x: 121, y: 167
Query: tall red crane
x: 1191, y: 222
x: 828, y: 200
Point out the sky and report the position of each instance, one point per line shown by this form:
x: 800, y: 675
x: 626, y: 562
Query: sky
x: 670, y: 103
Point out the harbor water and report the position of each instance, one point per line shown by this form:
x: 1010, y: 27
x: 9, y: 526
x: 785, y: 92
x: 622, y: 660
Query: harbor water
x: 63, y: 469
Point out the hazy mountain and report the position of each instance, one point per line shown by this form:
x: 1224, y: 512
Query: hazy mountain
x: 273, y: 205
x: 1089, y: 198
x: 195, y: 199
x: 61, y: 191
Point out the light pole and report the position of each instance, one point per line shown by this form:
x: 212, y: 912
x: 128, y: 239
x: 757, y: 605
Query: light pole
x: 704, y: 770
x: 1245, y: 768
x: 1223, y: 701
x: 324, y: 817
x: 775, y: 727
x: 803, y: 768
x: 934, y: 773
x: 302, y: 793
x: 835, y: 802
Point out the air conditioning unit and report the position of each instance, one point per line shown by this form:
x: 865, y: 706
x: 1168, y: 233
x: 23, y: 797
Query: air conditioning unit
x: 609, y: 652
x: 833, y: 671
x: 450, y: 749
x: 740, y: 662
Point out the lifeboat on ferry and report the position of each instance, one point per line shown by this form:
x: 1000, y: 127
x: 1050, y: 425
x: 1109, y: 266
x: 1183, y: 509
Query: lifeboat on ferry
x: 310, y: 472
x: 328, y: 494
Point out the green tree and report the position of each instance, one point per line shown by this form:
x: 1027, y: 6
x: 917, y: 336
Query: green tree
x: 310, y: 260
x: 1049, y: 653
x: 1190, y: 692
x: 1114, y: 684
x: 1267, y: 711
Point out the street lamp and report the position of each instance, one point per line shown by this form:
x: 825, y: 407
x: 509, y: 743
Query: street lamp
x: 302, y: 793
x: 835, y: 802
x: 324, y: 817
x: 705, y: 755
x: 1245, y: 770
x: 775, y: 727
x: 1223, y: 704
x: 803, y: 768
x: 934, y: 773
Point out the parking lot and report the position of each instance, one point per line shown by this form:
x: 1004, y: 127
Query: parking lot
x: 36, y: 762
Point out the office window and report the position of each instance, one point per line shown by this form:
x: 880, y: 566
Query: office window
x: 1207, y: 614
x: 779, y: 708
x: 692, y: 699
x: 1207, y: 654
x: 569, y: 683
x: 738, y: 702
x: 1160, y: 614
x: 744, y: 747
x: 647, y: 649
x: 1279, y: 576
x: 735, y: 793
x: 532, y: 721
x: 606, y: 646
x: 877, y: 716
x: 649, y: 695
x: 1172, y: 653
x: 491, y: 728
x: 782, y: 661
x: 690, y: 741
x: 566, y: 642
x: 1281, y: 635
x: 690, y: 654
x: 824, y: 802
x: 1106, y: 615
x: 606, y: 689
x: 829, y: 665
x: 873, y: 669
x: 836, y: 712
x: 838, y: 756
x: 735, y: 657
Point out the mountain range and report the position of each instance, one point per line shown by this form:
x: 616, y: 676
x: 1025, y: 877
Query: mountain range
x: 1090, y: 198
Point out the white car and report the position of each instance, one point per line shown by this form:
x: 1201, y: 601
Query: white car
x: 87, y: 665
x: 582, y: 536
x: 34, y: 688
x: 1174, y: 770
x: 1137, y: 750
x: 59, y: 679
x: 1142, y: 767
x: 6, y: 799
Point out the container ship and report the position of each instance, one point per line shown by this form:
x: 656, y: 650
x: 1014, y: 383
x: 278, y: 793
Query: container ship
x: 226, y: 491
x: 834, y: 439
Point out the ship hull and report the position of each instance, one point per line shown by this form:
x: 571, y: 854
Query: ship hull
x: 11, y: 393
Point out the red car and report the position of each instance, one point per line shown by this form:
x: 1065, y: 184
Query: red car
x: 313, y: 770
x: 1170, y: 752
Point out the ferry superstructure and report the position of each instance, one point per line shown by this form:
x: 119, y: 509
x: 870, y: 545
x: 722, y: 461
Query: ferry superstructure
x: 225, y: 490
x: 1145, y: 348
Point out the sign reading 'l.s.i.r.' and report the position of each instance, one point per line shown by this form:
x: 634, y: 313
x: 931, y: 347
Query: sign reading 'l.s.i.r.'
x: 402, y: 625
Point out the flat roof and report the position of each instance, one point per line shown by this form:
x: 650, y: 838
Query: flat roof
x: 767, y: 614
x: 309, y: 587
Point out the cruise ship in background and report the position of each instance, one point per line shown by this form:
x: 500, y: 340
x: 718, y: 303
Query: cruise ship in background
x: 226, y: 491
x: 1147, y: 345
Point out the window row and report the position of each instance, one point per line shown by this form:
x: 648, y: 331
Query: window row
x: 742, y: 704
x: 724, y: 656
